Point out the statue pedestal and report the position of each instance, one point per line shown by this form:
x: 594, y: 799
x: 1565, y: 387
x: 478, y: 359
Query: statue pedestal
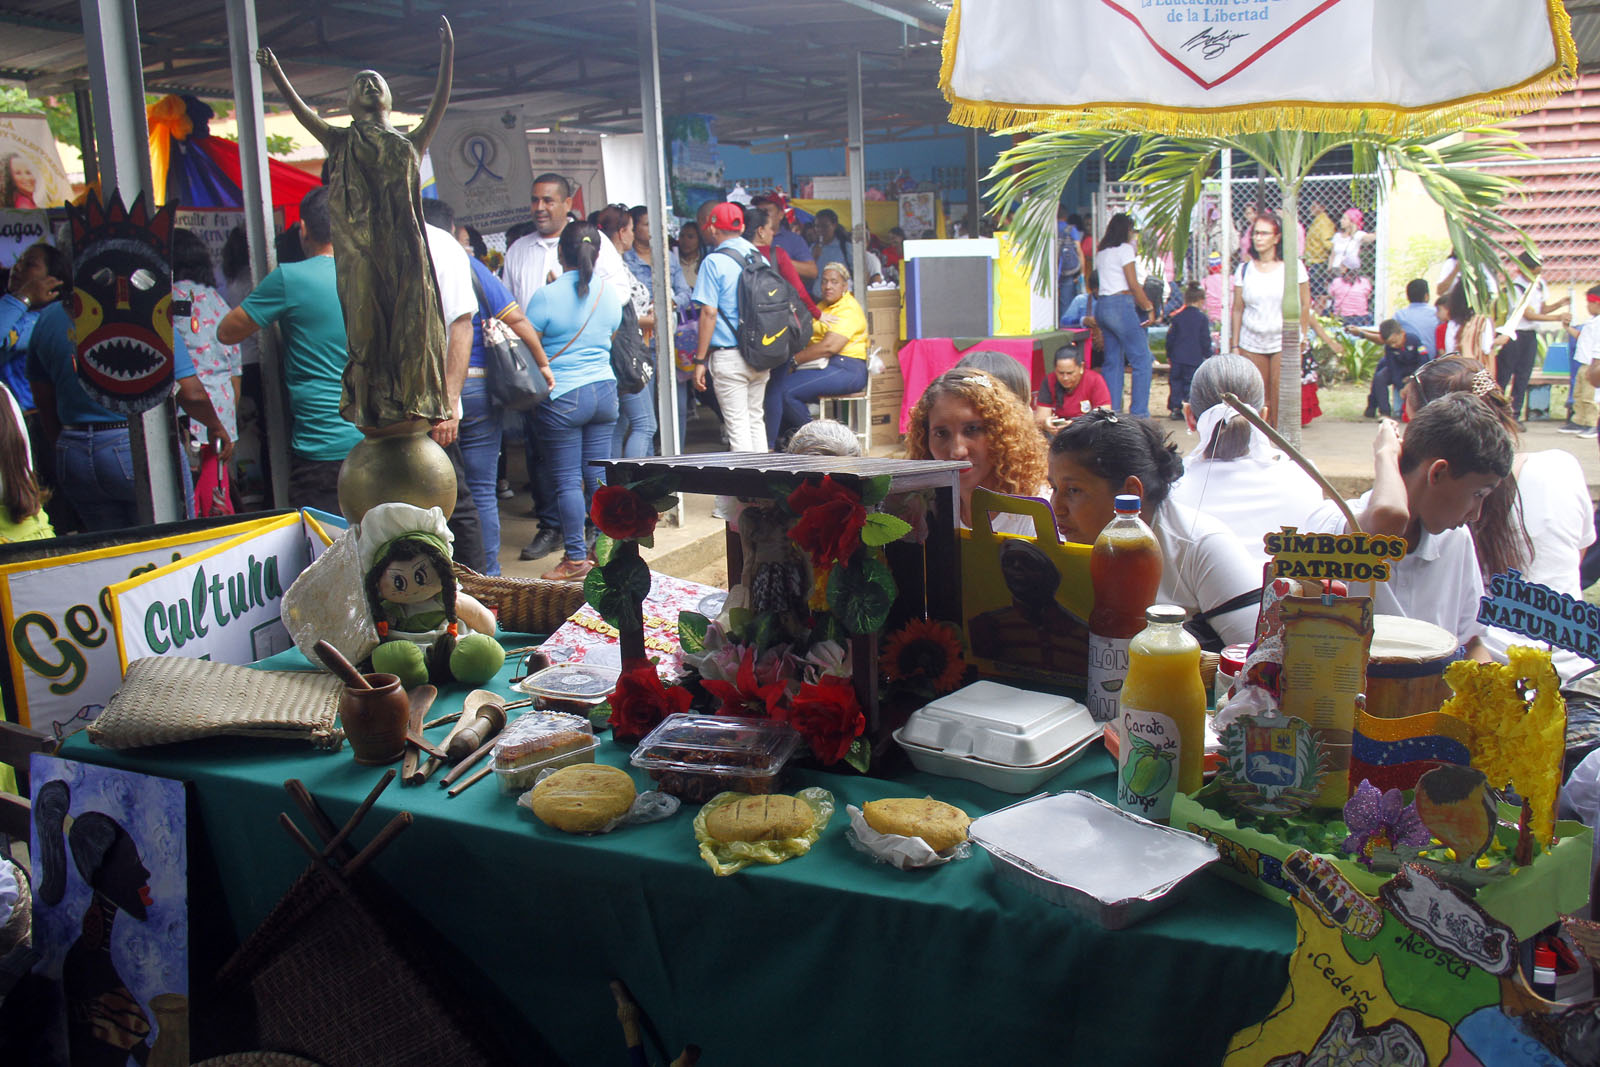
x: 408, y: 467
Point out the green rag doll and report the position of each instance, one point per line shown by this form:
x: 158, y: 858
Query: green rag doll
x: 428, y: 629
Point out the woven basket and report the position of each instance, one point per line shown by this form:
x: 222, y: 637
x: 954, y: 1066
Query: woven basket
x: 173, y: 698
x: 524, y: 605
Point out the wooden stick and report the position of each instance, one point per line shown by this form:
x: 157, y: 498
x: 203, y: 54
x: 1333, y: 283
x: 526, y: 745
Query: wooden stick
x: 342, y: 667
x: 359, y: 814
x: 319, y: 820
x: 462, y: 767
x: 442, y: 720
x: 301, y: 840
x: 427, y: 746
x: 469, y: 782
x: 379, y: 842
x: 1289, y: 450
x: 421, y: 697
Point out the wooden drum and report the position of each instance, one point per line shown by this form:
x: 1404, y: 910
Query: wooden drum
x: 1405, y: 666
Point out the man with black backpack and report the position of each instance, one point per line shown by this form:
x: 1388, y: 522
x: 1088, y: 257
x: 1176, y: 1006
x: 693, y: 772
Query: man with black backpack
x: 751, y: 320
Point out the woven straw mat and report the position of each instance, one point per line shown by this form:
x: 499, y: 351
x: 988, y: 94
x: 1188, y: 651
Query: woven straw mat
x: 170, y: 698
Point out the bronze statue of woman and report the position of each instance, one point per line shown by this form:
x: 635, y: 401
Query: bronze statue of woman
x: 395, y: 380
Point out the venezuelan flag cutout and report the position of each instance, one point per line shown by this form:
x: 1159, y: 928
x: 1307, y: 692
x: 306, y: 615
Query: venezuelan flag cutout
x: 1394, y: 753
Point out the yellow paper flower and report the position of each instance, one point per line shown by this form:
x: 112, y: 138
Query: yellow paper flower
x: 1515, y: 742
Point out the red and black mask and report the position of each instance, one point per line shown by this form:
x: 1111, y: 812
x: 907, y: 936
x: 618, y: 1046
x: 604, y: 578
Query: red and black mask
x: 121, y: 303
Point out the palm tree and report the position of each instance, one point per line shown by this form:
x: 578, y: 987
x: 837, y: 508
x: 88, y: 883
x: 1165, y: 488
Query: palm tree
x: 1173, y: 172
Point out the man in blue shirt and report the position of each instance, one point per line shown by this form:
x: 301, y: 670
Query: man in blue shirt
x: 740, y: 388
x: 303, y: 298
x: 1418, y: 318
x: 830, y: 246
x: 793, y: 245
x: 93, y: 455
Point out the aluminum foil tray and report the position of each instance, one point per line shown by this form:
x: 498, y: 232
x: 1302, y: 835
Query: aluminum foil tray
x: 1080, y: 852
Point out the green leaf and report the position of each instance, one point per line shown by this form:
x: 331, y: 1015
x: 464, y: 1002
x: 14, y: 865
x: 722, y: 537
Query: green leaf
x: 860, y: 595
x: 647, y: 541
x: 873, y: 490
x: 664, y: 504
x: 604, y: 549
x: 883, y: 529
x: 763, y: 630
x: 600, y: 716
x: 692, y: 627
x: 739, y: 623
x: 617, y: 590
x: 860, y: 754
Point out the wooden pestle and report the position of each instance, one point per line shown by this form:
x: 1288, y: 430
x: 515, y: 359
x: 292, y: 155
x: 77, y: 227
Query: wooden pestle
x: 335, y: 661
x: 488, y: 721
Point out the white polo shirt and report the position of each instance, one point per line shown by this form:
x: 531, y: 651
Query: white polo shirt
x: 1203, y: 565
x: 1438, y: 582
x: 1252, y: 497
x: 453, y: 273
x: 534, y: 258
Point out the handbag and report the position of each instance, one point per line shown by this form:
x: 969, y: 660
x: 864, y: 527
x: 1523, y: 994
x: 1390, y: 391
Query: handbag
x: 631, y: 361
x: 514, y: 382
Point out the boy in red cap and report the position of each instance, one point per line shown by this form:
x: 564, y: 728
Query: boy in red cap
x: 740, y: 388
x: 1585, y: 361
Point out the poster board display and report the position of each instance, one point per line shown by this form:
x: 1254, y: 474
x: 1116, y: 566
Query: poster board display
x: 694, y: 166
x: 1025, y: 601
x: 919, y: 215
x: 222, y: 603
x: 574, y: 156
x: 482, y: 167
x: 213, y: 225
x: 32, y: 174
x: 19, y: 231
x: 57, y: 617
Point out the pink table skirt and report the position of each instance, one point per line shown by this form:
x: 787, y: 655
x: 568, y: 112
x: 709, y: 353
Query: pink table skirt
x: 923, y: 360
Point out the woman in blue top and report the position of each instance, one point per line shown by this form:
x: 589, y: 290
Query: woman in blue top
x: 36, y: 280
x: 575, y: 322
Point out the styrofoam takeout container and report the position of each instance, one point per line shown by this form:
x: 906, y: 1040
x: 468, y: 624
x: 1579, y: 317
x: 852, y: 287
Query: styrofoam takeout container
x: 996, y: 776
x: 1080, y: 852
x: 1000, y: 724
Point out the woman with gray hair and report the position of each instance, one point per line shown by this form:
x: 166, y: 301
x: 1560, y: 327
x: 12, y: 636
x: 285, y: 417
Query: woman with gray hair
x: 1234, y: 473
x: 835, y: 362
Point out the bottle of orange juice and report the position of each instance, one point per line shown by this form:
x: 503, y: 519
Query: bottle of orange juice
x: 1163, y: 720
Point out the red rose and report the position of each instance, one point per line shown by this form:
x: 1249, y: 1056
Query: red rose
x: 640, y: 701
x: 746, y: 696
x: 621, y: 514
x: 831, y: 518
x: 827, y: 716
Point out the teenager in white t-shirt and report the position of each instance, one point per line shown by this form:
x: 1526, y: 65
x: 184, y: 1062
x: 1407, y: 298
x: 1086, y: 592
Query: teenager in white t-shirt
x: 1428, y: 488
x: 1123, y: 312
x: 1258, y: 304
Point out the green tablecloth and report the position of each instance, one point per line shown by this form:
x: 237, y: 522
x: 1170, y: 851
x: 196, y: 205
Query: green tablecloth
x: 829, y: 958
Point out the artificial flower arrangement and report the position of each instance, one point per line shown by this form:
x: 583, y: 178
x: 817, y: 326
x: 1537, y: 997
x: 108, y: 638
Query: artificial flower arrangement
x: 814, y: 579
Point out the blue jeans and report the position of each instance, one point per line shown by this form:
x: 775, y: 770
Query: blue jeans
x: 95, y: 471
x: 841, y: 377
x: 636, y: 423
x: 480, y: 454
x: 1068, y: 292
x: 536, y: 454
x: 773, y: 405
x: 575, y: 429
x: 1126, y: 341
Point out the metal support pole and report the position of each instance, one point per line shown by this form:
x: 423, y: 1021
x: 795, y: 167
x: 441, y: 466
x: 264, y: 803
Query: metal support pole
x: 83, y: 102
x: 974, y: 201
x: 1230, y: 242
x: 788, y: 175
x: 655, y: 202
x: 255, y: 183
x: 855, y: 166
x: 116, y: 78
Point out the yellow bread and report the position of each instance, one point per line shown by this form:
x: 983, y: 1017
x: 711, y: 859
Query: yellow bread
x: 584, y: 798
x: 764, y: 818
x: 941, y: 825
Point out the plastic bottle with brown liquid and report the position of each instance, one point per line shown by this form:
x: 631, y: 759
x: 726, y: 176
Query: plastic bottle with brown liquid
x: 1125, y: 570
x: 1162, y: 740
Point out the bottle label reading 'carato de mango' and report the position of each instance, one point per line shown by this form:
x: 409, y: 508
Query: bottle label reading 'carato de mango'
x: 1108, y: 669
x: 1147, y: 763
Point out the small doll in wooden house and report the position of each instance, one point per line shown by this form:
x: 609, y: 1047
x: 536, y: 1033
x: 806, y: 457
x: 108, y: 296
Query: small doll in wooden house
x: 428, y: 629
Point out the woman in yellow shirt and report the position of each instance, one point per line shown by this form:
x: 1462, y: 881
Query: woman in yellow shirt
x: 835, y: 362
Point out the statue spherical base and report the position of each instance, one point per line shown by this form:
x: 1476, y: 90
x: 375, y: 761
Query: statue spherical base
x: 409, y: 468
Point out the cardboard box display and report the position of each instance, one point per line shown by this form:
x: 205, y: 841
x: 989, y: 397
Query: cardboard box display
x: 1556, y: 883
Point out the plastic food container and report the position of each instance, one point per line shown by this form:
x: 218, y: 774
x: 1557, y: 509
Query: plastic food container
x: 514, y: 781
x: 997, y: 776
x: 1077, y: 851
x: 571, y: 687
x: 999, y: 724
x: 538, y: 735
x: 695, y: 757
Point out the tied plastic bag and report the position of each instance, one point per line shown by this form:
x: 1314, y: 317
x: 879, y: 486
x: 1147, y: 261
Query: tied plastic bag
x: 647, y: 807
x: 731, y: 857
x: 906, y: 853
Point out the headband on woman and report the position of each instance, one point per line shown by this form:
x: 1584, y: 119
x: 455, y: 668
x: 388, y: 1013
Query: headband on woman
x: 1210, y: 423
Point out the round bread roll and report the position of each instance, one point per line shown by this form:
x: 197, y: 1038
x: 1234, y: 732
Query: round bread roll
x: 582, y: 799
x: 769, y: 818
x: 941, y: 825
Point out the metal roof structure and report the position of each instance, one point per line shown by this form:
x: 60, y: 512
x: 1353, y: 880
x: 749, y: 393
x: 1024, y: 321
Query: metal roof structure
x: 765, y: 68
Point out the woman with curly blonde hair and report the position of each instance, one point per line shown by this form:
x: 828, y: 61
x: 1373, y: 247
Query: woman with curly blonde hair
x: 967, y: 414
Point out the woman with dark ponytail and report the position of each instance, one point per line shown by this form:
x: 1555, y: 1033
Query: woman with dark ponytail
x: 106, y: 1023
x: 575, y: 316
x: 1204, y: 569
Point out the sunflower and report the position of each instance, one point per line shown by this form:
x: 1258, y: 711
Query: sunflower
x: 924, y: 649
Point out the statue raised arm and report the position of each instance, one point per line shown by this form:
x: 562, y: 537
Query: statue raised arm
x: 302, y: 111
x: 441, y: 89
